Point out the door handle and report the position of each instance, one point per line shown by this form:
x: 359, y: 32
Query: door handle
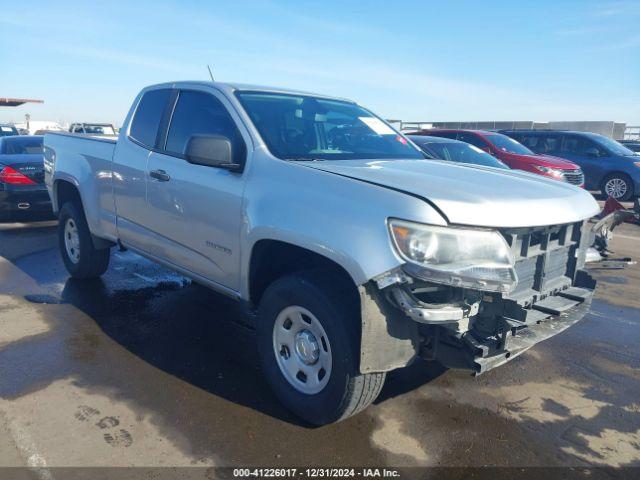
x: 160, y: 175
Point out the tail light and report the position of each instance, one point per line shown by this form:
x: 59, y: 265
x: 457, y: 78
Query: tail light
x: 13, y: 177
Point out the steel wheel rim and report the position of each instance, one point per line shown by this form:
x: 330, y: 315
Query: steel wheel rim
x: 616, y: 188
x: 72, y: 240
x: 302, y: 350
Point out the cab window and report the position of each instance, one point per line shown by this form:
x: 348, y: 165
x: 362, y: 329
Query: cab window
x: 147, y: 118
x: 199, y: 113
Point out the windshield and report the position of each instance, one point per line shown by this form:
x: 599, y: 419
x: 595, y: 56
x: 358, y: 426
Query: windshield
x: 508, y: 144
x: 461, y: 152
x: 614, y: 147
x: 22, y: 146
x: 297, y: 127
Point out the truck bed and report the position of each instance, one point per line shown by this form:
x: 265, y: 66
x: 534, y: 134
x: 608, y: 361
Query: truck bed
x: 86, y: 162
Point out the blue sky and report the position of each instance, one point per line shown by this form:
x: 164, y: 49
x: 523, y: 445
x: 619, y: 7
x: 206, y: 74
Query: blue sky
x: 413, y: 60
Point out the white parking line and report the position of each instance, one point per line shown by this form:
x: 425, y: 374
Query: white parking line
x: 29, y: 452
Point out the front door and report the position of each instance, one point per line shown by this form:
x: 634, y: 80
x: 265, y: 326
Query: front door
x: 196, y: 210
x: 590, y: 156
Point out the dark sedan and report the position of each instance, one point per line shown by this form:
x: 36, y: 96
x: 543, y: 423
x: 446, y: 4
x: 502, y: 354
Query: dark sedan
x: 631, y: 145
x: 441, y: 148
x: 23, y: 194
x: 8, y: 130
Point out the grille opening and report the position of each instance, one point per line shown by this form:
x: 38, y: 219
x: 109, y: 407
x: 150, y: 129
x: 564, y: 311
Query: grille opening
x: 536, y: 239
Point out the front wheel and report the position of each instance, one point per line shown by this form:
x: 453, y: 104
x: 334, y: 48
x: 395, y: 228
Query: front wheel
x: 308, y: 341
x: 80, y: 257
x: 618, y: 186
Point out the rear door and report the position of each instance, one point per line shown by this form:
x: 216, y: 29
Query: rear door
x: 591, y: 157
x: 130, y: 168
x: 196, y: 210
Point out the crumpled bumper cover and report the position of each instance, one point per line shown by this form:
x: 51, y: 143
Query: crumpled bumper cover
x: 482, y: 355
x: 527, y: 338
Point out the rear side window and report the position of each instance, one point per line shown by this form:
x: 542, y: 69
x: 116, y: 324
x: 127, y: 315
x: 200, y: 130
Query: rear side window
x: 541, y: 143
x: 473, y: 139
x: 199, y: 113
x: 580, y: 145
x: 146, y: 120
x: 22, y: 146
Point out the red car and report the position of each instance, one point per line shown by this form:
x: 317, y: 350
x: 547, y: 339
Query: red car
x: 514, y: 154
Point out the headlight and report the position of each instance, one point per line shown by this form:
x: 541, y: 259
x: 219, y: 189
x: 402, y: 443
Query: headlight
x: 469, y: 258
x: 553, y: 172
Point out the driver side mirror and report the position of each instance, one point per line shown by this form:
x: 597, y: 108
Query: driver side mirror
x: 592, y: 152
x: 211, y: 151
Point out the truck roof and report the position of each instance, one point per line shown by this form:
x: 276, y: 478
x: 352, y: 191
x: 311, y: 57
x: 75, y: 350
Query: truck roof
x: 234, y: 87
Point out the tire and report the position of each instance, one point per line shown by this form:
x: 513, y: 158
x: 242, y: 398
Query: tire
x: 320, y: 299
x: 619, y: 186
x: 81, y: 259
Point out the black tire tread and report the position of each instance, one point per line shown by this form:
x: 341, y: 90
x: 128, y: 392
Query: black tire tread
x: 94, y: 262
x: 361, y: 389
x: 364, y: 388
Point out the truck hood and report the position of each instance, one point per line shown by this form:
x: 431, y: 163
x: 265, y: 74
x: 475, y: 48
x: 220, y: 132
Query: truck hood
x: 478, y: 196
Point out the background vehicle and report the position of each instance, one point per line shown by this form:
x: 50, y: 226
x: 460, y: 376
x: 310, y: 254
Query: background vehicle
x: 358, y: 254
x: 34, y: 126
x: 22, y: 188
x: 608, y: 166
x: 633, y: 145
x: 514, y: 154
x: 8, y: 130
x: 93, y: 128
x: 455, y: 151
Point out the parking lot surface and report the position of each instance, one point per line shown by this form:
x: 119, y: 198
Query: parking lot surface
x: 142, y: 368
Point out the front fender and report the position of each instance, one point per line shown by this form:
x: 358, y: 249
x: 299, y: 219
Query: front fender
x: 342, y: 219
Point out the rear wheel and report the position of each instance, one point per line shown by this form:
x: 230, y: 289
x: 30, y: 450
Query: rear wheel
x: 308, y: 341
x: 618, y: 186
x: 80, y: 257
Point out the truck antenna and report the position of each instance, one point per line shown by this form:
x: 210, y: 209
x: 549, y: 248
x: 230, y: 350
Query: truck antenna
x: 210, y: 74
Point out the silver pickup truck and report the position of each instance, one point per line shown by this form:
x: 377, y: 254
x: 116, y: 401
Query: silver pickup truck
x: 358, y: 255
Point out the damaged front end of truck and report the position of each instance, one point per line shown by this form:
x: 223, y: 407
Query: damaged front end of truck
x: 478, y: 323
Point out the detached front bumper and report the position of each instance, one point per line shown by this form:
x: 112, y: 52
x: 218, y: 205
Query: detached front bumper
x: 482, y: 353
x: 475, y: 331
x: 476, y: 334
x: 405, y: 317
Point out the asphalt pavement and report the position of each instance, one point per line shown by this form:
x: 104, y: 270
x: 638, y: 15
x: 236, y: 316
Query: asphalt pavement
x: 144, y: 368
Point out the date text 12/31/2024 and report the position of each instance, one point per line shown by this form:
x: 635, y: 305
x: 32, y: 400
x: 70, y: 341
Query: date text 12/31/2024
x: 315, y: 473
